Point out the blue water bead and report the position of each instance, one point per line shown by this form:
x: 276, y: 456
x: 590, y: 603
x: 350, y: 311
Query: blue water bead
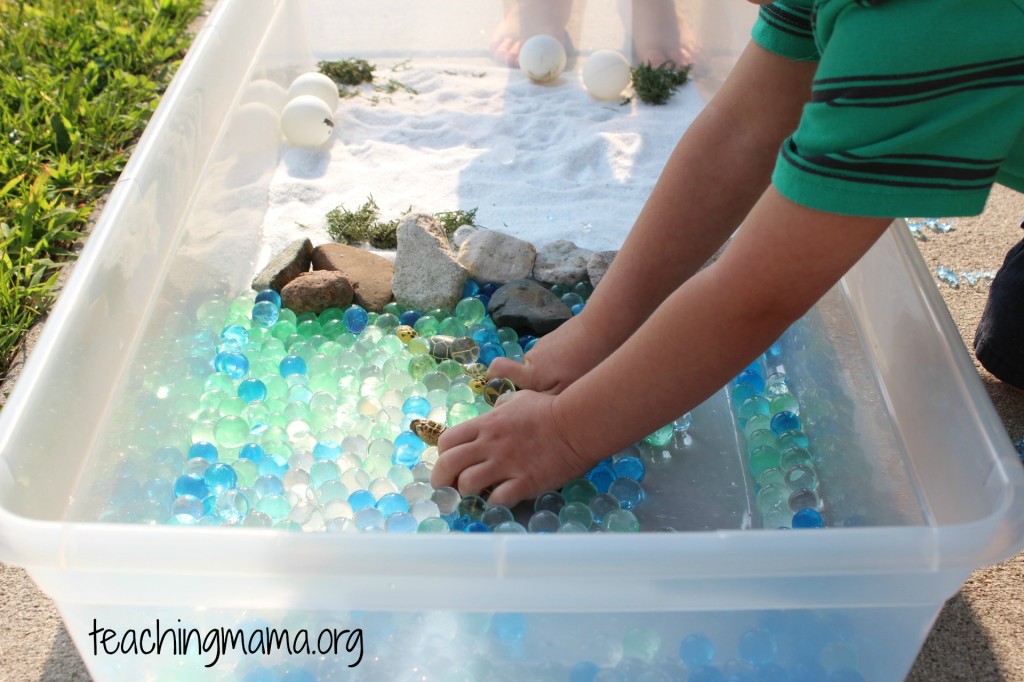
x: 231, y: 506
x: 751, y: 378
x: 508, y: 627
x: 490, y: 351
x: 416, y: 406
x: 602, y: 477
x: 252, y: 451
x: 292, y: 364
x: 268, y: 484
x: 159, y: 490
x: 392, y: 503
x: 630, y: 467
x: 808, y: 518
x: 235, y: 333
x: 361, y: 499
x: 356, y: 319
x: 252, y: 389
x: 191, y: 484
x: 577, y: 309
x: 486, y: 335
x: 476, y: 527
x: 265, y: 314
x: 220, y: 477
x: 272, y: 466
x: 845, y: 674
x: 628, y: 492
x: 187, y: 509
x: 696, y: 650
x: 269, y: 295
x: 400, y: 522
x: 203, y: 449
x: 408, y: 449
x: 470, y: 288
x: 785, y: 421
x: 757, y: 646
x: 584, y: 671
x: 235, y: 365
x: 488, y: 288
x: 327, y: 449
x: 706, y: 673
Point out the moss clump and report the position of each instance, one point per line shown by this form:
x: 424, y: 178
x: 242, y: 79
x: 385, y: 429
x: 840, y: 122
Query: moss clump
x: 348, y: 71
x: 364, y: 225
x: 657, y: 85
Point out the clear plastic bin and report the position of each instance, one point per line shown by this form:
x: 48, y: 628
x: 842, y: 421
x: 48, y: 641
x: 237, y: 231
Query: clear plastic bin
x: 936, y: 467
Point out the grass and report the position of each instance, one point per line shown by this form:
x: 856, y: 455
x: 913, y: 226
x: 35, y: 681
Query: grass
x: 78, y: 83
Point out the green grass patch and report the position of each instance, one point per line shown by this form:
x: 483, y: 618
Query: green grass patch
x: 78, y: 83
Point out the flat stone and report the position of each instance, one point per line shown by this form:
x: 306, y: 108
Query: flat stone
x: 315, y: 292
x: 561, y: 262
x: 369, y: 274
x: 293, y: 260
x: 492, y: 256
x: 599, y: 264
x: 427, y: 275
x: 527, y: 307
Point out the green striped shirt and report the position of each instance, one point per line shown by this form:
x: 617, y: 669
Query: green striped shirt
x: 917, y: 106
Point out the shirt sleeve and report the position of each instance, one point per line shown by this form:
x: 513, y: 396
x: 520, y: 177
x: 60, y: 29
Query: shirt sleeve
x: 785, y: 29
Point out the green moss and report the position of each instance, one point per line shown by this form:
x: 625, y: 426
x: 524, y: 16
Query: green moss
x: 364, y: 224
x: 657, y: 85
x: 348, y: 71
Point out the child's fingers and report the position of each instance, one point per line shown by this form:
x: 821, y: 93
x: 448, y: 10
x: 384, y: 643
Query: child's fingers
x: 477, y: 477
x: 517, y: 372
x: 509, y: 493
x: 457, y: 435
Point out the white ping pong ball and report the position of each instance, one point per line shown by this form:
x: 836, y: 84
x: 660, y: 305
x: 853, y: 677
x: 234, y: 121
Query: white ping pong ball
x: 606, y: 74
x: 307, y: 121
x: 316, y: 84
x: 542, y: 58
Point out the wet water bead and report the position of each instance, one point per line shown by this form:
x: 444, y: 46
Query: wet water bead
x: 447, y: 499
x: 579, y: 490
x: 496, y: 515
x: 578, y: 513
x: 752, y: 378
x: 252, y: 389
x: 777, y: 384
x: 621, y: 521
x: 401, y: 522
x: 661, y: 437
x: 628, y: 492
x: 683, y: 423
x: 360, y: 499
x: 401, y: 476
x: 333, y: 491
x: 231, y: 506
x: 786, y: 402
x: 796, y: 456
x: 761, y: 438
x: 804, y: 498
x: 785, y: 422
x: 758, y: 422
x: 265, y: 314
x: 203, y: 450
x: 433, y: 525
x: 630, y: 466
x: 772, y: 476
x: 187, y: 510
x: 793, y: 439
x: 808, y: 517
x: 392, y: 503
x: 426, y: 326
x: 602, y: 477
x: 543, y: 521
x: 246, y: 470
x: 757, y: 405
x: 274, y: 506
x: 472, y: 506
x: 801, y: 476
x: 490, y: 351
x: 220, y: 477
x: 601, y: 505
x: 696, y: 650
x: 772, y: 497
x: 292, y: 364
x: 356, y: 319
x: 550, y: 500
x: 368, y: 518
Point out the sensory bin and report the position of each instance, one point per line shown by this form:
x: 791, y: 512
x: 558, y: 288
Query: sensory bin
x: 907, y: 467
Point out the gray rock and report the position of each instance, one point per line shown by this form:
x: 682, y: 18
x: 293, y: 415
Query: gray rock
x: 369, y: 274
x: 315, y: 292
x: 528, y: 308
x: 599, y: 264
x: 561, y: 262
x: 462, y: 234
x: 492, y: 256
x: 285, y: 266
x: 426, y: 273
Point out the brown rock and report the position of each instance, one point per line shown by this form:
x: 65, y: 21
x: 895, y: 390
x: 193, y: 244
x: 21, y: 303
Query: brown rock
x: 286, y: 266
x: 314, y: 292
x: 369, y: 273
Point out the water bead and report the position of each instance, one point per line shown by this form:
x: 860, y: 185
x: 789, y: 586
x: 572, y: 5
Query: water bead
x: 784, y: 422
x: 808, y: 518
x: 602, y: 504
x: 203, y: 450
x: 268, y: 484
x: 793, y: 439
x: 602, y: 476
x: 621, y: 521
x: 628, y: 492
x: 472, y: 506
x: 424, y: 509
x: 269, y: 295
x: 753, y: 406
x: 803, y: 498
x: 761, y: 438
x: 191, y: 484
x: 187, y: 509
x: 447, y: 499
x: 490, y: 351
x: 684, y: 423
x: 801, y: 476
x: 392, y: 503
x: 231, y: 506
x: 401, y: 522
x: 544, y: 521
x: 265, y: 314
x: 630, y: 466
x: 368, y: 518
x: 433, y: 525
x: 356, y: 319
x: 401, y: 476
x: 761, y: 459
x: 510, y: 527
x: 496, y: 515
x: 550, y: 500
x: 661, y: 437
x: 220, y: 477
x: 753, y: 379
x: 360, y: 499
x: 771, y: 498
x: 579, y: 490
x: 759, y: 422
x: 578, y: 513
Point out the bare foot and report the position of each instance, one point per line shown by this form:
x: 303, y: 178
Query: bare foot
x: 525, y: 19
x: 660, y: 35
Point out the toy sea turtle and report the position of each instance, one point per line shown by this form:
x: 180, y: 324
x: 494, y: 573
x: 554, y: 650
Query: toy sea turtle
x: 428, y: 431
x: 405, y: 333
x: 462, y: 349
x: 494, y: 389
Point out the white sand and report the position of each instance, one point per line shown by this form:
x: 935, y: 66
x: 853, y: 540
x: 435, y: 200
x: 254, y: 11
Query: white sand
x: 541, y: 162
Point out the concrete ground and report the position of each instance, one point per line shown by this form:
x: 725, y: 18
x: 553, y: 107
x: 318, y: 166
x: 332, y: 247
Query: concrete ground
x: 977, y: 636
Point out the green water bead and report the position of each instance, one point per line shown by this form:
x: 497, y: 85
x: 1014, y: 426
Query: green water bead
x: 436, y: 381
x: 451, y: 326
x: 420, y: 366
x: 796, y: 457
x: 757, y: 423
x: 560, y: 290
x: 793, y: 439
x: 451, y: 369
x: 507, y: 335
x: 331, y: 315
x: 433, y: 525
x: 401, y: 476
x: 426, y: 326
x: 263, y: 365
x: 786, y: 402
x: 333, y: 329
x: 202, y: 430
x: 460, y: 393
x: 247, y: 471
x: 391, y: 346
x: 621, y: 521
x: 754, y: 406
x: 309, y: 328
x: 512, y: 349
x: 661, y: 437
x: 211, y: 313
x: 760, y: 438
x: 211, y: 399
x: 274, y: 506
x: 324, y: 383
x: 772, y: 476
x: 772, y: 497
x: 641, y: 644
x: 282, y: 329
x: 386, y: 321
x: 219, y: 381
x: 231, y: 406
x: 761, y: 459
x: 576, y: 512
x: 419, y: 346
x: 579, y: 490
x: 461, y: 412
x: 739, y: 393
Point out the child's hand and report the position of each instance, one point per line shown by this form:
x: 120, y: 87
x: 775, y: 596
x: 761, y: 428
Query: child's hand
x: 517, y: 448
x: 556, y: 360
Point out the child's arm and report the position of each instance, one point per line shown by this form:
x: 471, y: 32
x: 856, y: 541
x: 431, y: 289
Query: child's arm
x: 712, y: 179
x: 783, y: 259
